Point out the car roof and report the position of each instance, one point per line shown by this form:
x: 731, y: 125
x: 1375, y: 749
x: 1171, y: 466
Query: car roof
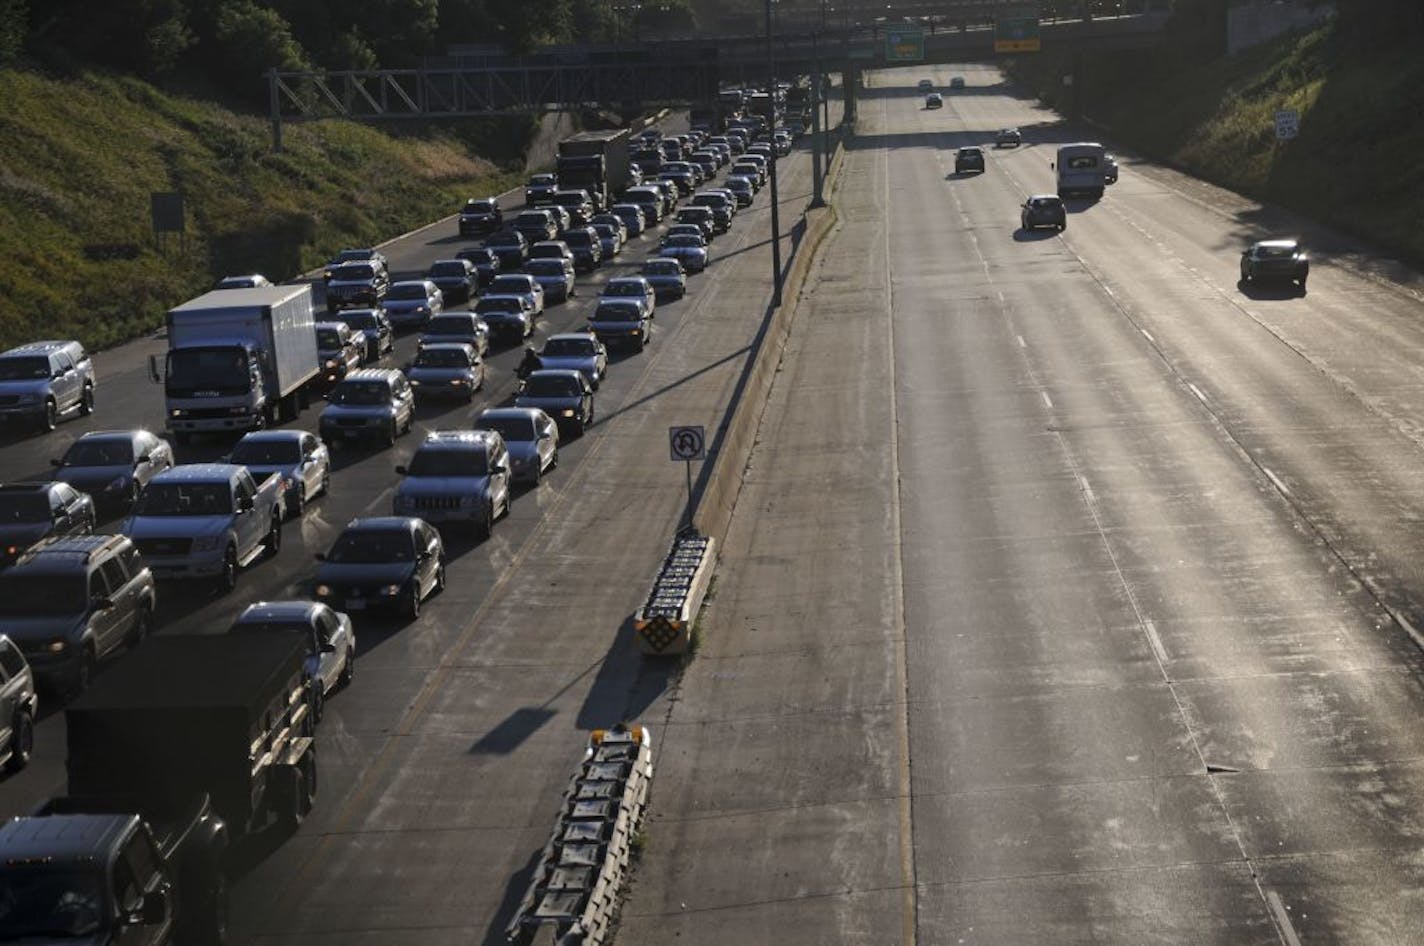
x: 272, y: 436
x: 458, y: 439
x: 572, y: 336
x: 381, y: 524
x: 1048, y: 197
x: 278, y: 611
x: 55, y: 552
x: 111, y: 434
x: 198, y: 472
x: 38, y: 348
x: 423, y: 283
x: 556, y: 373
x: 509, y: 413
x: 1277, y: 244
x: 449, y: 346
x: 46, y: 841
x: 370, y: 374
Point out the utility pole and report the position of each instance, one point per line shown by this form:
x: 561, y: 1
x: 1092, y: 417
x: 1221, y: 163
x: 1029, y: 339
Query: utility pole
x: 817, y: 145
x: 775, y: 217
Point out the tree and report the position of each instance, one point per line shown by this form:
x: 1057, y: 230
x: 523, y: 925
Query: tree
x: 14, y: 26
x: 249, y: 40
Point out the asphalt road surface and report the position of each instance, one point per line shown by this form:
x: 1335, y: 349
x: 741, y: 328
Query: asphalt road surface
x: 441, y: 767
x: 1072, y: 597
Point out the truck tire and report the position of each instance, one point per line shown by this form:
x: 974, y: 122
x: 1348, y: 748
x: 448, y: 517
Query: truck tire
x: 22, y: 741
x: 301, y: 791
x: 143, y: 622
x: 86, y: 400
x: 50, y: 418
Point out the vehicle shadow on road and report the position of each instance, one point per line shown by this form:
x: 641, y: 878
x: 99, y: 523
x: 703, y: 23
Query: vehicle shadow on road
x: 1033, y: 236
x: 1269, y: 292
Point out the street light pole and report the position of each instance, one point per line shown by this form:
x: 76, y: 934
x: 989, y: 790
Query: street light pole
x: 817, y: 145
x: 771, y: 122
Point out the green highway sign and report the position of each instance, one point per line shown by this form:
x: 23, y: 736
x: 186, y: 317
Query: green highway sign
x: 1016, y: 31
x: 904, y: 44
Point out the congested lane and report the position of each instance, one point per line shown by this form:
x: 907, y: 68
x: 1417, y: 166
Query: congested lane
x: 440, y: 767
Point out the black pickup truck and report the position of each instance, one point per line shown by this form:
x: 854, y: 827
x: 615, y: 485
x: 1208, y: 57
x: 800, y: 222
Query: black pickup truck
x: 178, y: 752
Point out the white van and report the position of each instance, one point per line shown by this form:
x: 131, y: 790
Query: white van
x: 1082, y: 169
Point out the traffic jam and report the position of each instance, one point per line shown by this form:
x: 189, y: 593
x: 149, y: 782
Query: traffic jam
x: 178, y: 745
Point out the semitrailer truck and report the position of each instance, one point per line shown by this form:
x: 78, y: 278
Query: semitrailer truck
x: 179, y: 751
x: 238, y: 360
x: 596, y: 161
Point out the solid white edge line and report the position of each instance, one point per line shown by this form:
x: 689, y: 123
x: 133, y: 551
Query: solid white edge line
x: 1276, y: 480
x: 1283, y: 920
x: 1046, y: 399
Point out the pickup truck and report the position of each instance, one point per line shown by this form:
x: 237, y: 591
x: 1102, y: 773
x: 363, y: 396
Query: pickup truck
x: 206, y: 520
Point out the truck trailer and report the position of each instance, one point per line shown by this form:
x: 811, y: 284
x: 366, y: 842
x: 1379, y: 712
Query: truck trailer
x: 598, y: 162
x: 238, y: 360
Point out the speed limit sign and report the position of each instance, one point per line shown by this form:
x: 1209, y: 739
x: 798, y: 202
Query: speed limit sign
x: 687, y: 444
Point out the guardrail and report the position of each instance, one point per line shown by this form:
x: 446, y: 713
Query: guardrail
x: 574, y: 894
x: 664, y: 623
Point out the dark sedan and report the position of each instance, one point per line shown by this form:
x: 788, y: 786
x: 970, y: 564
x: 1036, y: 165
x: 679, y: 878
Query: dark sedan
x: 481, y: 216
x: 486, y: 262
x: 511, y: 248
x: 386, y: 563
x: 1043, y: 210
x: 31, y: 511
x: 968, y: 159
x: 457, y: 278
x: 113, y: 466
x: 1275, y: 261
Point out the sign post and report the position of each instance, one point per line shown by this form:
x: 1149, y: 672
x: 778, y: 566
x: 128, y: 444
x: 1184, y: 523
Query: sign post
x: 1287, y: 124
x: 904, y: 44
x: 687, y: 443
x: 1016, y: 31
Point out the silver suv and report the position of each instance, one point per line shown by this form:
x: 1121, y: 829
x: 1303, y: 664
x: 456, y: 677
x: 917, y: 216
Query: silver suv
x: 42, y: 380
x: 456, y: 476
x: 18, y: 707
x: 72, y: 602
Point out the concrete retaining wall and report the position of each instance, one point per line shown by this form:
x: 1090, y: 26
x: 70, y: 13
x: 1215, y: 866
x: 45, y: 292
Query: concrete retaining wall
x: 723, y: 483
x: 1249, y: 24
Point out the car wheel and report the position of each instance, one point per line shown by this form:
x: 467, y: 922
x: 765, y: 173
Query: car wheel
x: 412, y: 604
x: 298, y: 504
x: 143, y: 623
x: 439, y: 583
x: 392, y: 433
x: 274, y: 537
x: 348, y: 670
x: 86, y: 400
x: 50, y: 419
x: 318, y: 700
x: 485, y: 527
x: 227, y: 579
x: 22, y: 741
x: 84, y: 672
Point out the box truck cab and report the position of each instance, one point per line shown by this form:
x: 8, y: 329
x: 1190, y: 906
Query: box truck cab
x: 238, y: 360
x: 1082, y: 169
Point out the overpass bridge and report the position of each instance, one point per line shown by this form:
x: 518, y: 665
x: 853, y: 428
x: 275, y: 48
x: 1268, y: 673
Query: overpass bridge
x: 652, y: 74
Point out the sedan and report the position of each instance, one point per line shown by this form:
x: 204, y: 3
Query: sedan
x: 576, y: 351
x: 621, y: 321
x: 373, y: 327
x: 446, y: 369
x: 632, y: 287
x: 338, y: 350
x: 968, y: 159
x: 32, y: 511
x: 1279, y: 260
x: 743, y: 189
x: 511, y: 248
x: 519, y: 284
x: 667, y: 277
x: 299, y: 460
x: 688, y: 249
x: 486, y: 262
x: 329, y: 636
x: 530, y: 436
x: 480, y: 215
x: 555, y: 275
x: 934, y: 100
x: 632, y: 216
x: 113, y: 466
x: 413, y: 303
x: 564, y: 395
x: 457, y: 278
x: 508, y: 316
x: 390, y: 563
x: 614, y: 221
x: 1008, y: 138
x: 1043, y: 210
x: 611, y: 242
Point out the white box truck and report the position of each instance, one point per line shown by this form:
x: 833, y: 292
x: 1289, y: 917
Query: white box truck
x: 238, y: 360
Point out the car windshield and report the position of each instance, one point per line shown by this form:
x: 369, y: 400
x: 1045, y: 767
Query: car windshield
x: 328, y: 339
x: 684, y: 240
x: 569, y: 200
x: 605, y: 230
x: 505, y: 304
x: 542, y: 179
x: 19, y: 369
x: 372, y: 547
x: 24, y: 507
x: 617, y: 312
x: 266, y: 452
x: 41, y: 902
x: 511, y: 428
x: 449, y: 268
x: 514, y: 284
x: 446, y: 462
x: 544, y: 267
x: 479, y: 206
x: 1275, y: 252
x: 577, y: 238
x: 504, y: 239
x: 536, y: 219
x: 969, y: 152
x: 185, y: 499
x: 361, y: 393
x: 354, y: 273
x: 567, y: 347
x: 407, y: 291
x: 299, y: 628
x: 107, y: 451
x: 552, y: 385
x: 450, y: 325
x: 624, y: 287
x: 1083, y: 162
x: 655, y: 268
x: 478, y: 256
x: 442, y: 358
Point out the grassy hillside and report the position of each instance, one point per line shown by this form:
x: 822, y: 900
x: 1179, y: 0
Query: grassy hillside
x: 1356, y: 164
x: 80, y: 157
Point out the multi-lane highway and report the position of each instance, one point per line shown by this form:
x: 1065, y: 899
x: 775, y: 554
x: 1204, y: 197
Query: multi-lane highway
x: 1074, y: 592
x: 442, y: 765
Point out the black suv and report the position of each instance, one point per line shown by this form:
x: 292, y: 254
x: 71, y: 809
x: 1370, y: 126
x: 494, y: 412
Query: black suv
x: 540, y: 189
x: 481, y: 216
x: 362, y: 255
x: 31, y: 511
x: 74, y: 601
x: 362, y: 284
x: 968, y: 159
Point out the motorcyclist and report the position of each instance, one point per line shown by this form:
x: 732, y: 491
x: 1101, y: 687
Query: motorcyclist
x: 531, y: 363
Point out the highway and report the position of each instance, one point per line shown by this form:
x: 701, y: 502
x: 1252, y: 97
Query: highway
x: 441, y: 767
x: 1073, y: 593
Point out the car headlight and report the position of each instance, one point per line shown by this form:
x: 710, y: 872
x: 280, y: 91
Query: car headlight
x: 331, y: 362
x: 57, y: 646
x: 457, y: 382
x: 390, y: 591
x: 567, y: 412
x: 414, y: 383
x: 206, y: 543
x: 323, y: 591
x: 177, y: 412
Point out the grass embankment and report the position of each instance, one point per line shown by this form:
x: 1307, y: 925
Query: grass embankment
x: 1356, y: 165
x: 80, y: 157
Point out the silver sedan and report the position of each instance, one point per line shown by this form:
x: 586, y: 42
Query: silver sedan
x: 298, y: 457
x: 530, y: 435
